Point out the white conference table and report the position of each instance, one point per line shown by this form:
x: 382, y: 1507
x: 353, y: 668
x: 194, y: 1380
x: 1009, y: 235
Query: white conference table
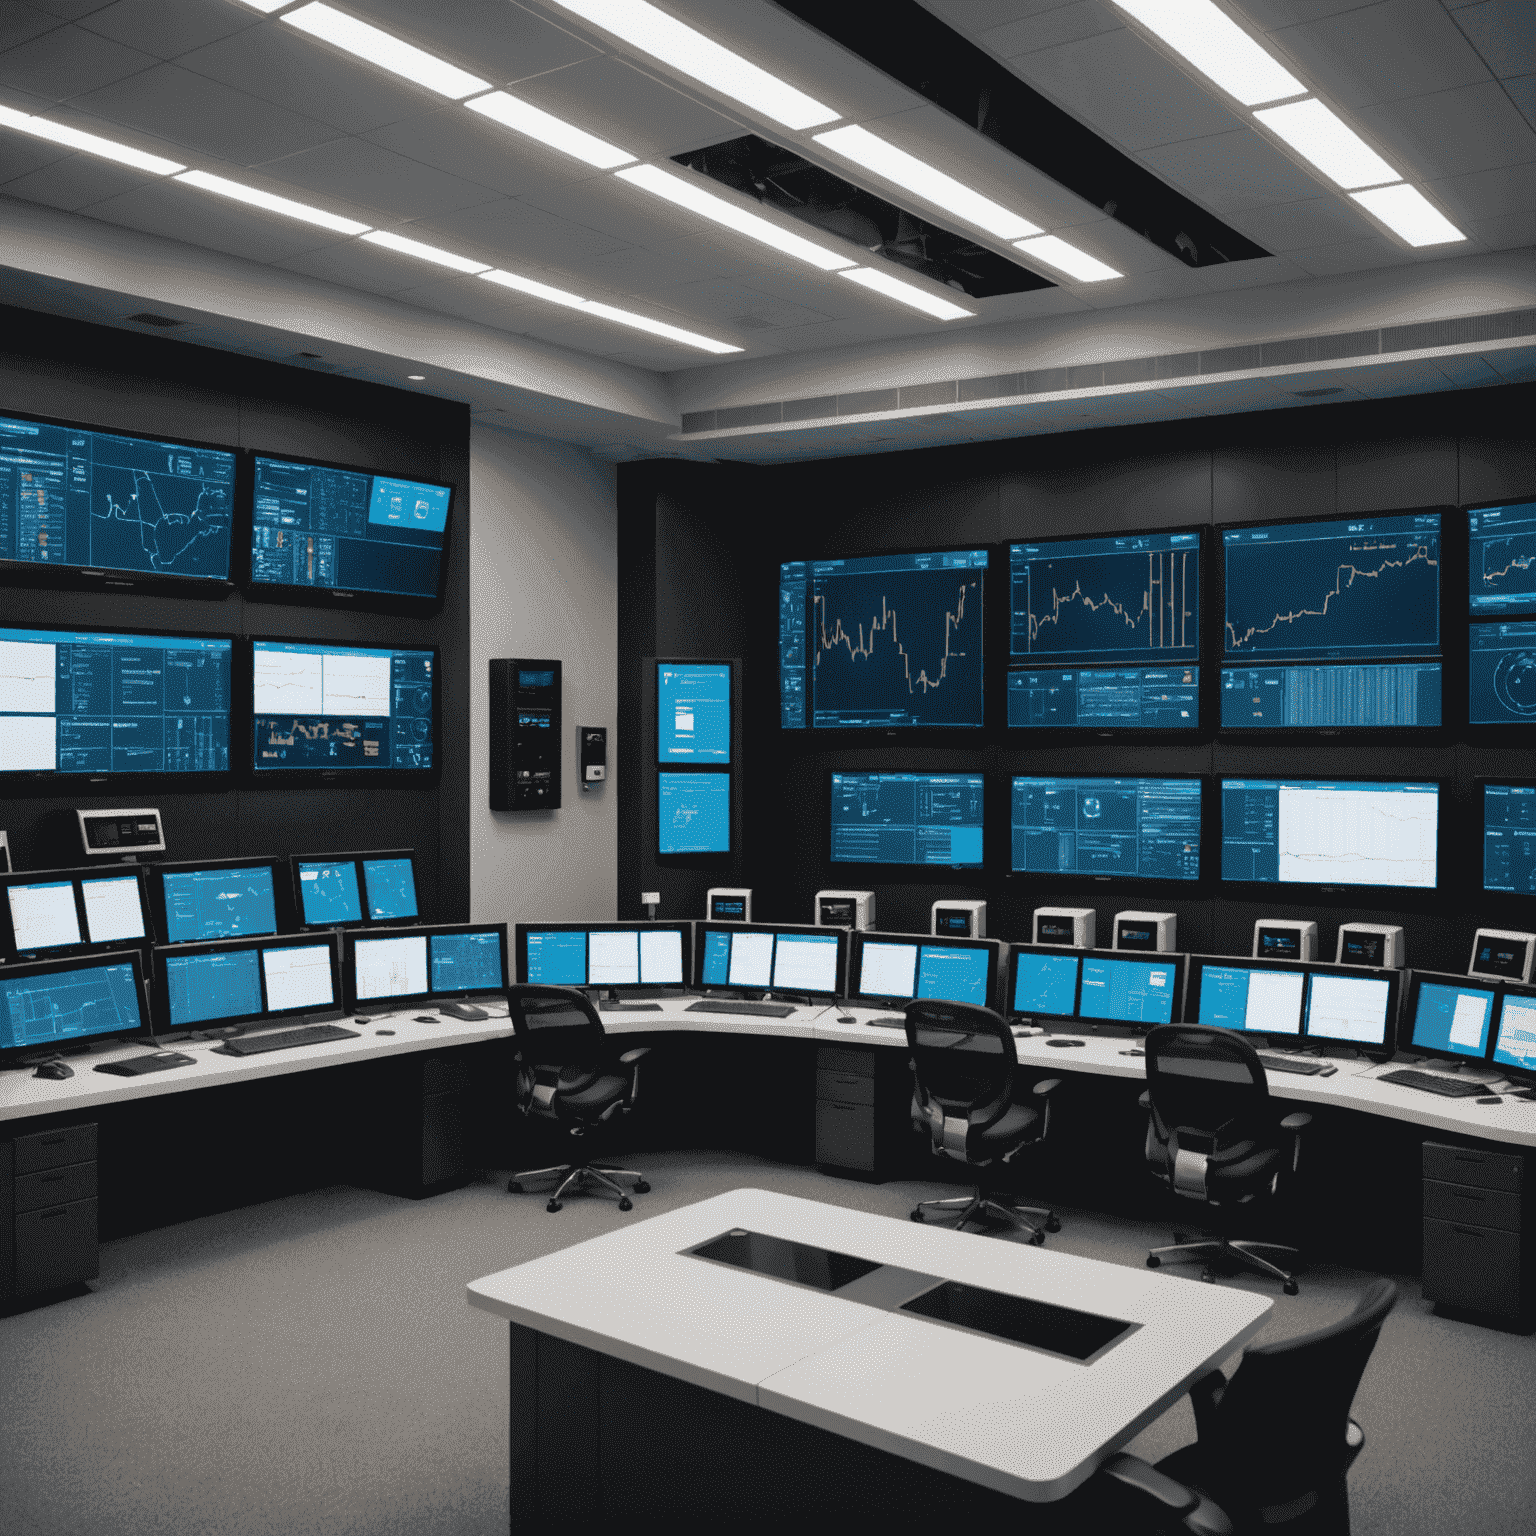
x: 597, y: 1326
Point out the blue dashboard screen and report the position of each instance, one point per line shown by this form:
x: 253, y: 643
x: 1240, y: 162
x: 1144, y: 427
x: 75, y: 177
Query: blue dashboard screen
x: 77, y: 1004
x: 693, y: 713
x: 466, y: 962
x: 328, y: 892
x: 557, y: 959
x: 1045, y: 984
x: 956, y: 975
x: 218, y: 903
x: 204, y: 987
x: 391, y: 885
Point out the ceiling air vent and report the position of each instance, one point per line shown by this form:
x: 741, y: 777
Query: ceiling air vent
x: 160, y: 322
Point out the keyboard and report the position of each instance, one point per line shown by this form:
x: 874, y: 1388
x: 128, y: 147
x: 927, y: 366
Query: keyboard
x: 137, y: 1066
x: 1302, y: 1064
x: 1434, y: 1082
x: 622, y: 1008
x: 888, y: 1021
x: 758, y: 1010
x: 311, y: 1034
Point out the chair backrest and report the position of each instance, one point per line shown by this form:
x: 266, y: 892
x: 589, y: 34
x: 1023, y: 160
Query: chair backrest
x: 1278, y: 1433
x: 963, y: 1059
x: 556, y: 1027
x: 1208, y: 1081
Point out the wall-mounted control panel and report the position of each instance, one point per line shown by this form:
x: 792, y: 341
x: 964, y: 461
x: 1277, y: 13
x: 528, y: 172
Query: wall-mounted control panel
x: 525, y: 734
x: 594, y: 755
x: 120, y: 834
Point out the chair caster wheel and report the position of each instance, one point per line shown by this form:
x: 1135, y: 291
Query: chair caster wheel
x: 1153, y: 1261
x: 1291, y: 1288
x: 917, y: 1215
x: 642, y: 1188
x: 554, y: 1205
x: 1053, y: 1224
x: 626, y: 1204
x: 1037, y: 1240
x: 513, y: 1187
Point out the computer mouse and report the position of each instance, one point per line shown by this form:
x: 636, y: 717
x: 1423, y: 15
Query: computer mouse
x: 425, y: 1018
x: 1133, y: 1053
x: 846, y: 1018
x: 1061, y: 1043
x: 57, y: 1070
x: 1491, y: 1098
x: 383, y: 1031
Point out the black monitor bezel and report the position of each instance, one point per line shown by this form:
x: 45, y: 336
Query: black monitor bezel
x: 861, y: 936
x: 913, y: 873
x: 160, y: 998
x: 336, y: 597
x: 21, y: 1055
x: 296, y: 894
x: 281, y: 895
x: 1450, y: 690
x: 1195, y: 974
x: 75, y: 876
x: 288, y: 777
x: 92, y: 578
x: 705, y: 926
x: 1410, y: 1008
x: 54, y: 781
x: 685, y: 925
x: 428, y: 931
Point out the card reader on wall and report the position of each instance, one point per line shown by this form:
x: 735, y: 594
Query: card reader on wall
x: 722, y: 905
x: 1146, y: 930
x: 525, y: 734
x: 1501, y: 955
x: 1071, y: 927
x: 121, y: 834
x: 1279, y: 938
x: 959, y: 920
x: 845, y: 909
x: 594, y: 755
x: 1376, y: 944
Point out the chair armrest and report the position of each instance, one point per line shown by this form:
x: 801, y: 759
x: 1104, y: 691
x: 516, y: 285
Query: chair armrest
x: 633, y: 1056
x: 631, y: 1059
x: 1297, y: 1122
x: 1047, y: 1086
x: 1145, y: 1101
x: 1199, y: 1516
x: 1205, y: 1397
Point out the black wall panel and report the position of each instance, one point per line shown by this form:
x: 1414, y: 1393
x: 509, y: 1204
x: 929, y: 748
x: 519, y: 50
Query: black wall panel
x: 150, y: 385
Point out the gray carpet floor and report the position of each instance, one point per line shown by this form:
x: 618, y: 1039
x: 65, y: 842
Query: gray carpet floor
x: 310, y: 1365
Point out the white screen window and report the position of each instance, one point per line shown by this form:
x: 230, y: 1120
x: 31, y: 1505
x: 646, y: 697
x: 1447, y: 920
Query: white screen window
x: 1517, y: 1035
x: 391, y: 967
x: 889, y: 970
x: 613, y: 959
x: 1274, y: 1002
x: 43, y: 916
x: 112, y: 910
x: 661, y: 956
x: 1348, y: 1008
x: 298, y: 978
x: 1467, y: 1021
x: 751, y: 960
x: 1358, y: 836
x: 29, y: 744
x: 805, y: 964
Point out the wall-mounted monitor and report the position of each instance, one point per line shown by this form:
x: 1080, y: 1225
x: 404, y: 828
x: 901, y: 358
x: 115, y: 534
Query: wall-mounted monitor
x: 423, y: 964
x: 1330, y: 832
x: 693, y: 813
x: 201, y: 899
x: 693, y: 712
x: 99, y: 506
x: 647, y: 956
x: 1121, y: 829
x: 89, y: 704
x: 882, y: 642
x: 1332, y: 624
x: 235, y: 982
x: 892, y: 969
x: 1501, y: 563
x: 66, y: 911
x: 48, y: 1005
x: 1501, y: 673
x: 1509, y: 838
x: 345, y: 533
x: 760, y: 957
x: 320, y: 708
x: 908, y: 818
x: 1104, y: 634
x: 349, y: 890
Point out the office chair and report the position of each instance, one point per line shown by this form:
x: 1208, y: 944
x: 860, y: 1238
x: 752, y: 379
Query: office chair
x: 1213, y: 1136
x: 562, y: 1077
x: 963, y: 1067
x: 1276, y: 1442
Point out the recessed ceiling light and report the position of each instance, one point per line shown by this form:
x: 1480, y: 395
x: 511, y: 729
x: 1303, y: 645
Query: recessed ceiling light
x: 89, y: 143
x: 273, y: 204
x: 907, y: 293
x: 1204, y: 34
x: 933, y: 185
x: 665, y: 38
x: 554, y: 132
x: 1409, y: 214
x: 379, y: 47
x: 677, y: 189
x: 425, y: 252
x: 416, y: 378
x: 658, y: 328
x: 537, y: 290
x: 1056, y: 252
x: 1318, y: 134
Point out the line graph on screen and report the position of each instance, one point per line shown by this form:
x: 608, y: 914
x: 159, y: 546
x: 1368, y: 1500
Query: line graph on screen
x: 1130, y: 605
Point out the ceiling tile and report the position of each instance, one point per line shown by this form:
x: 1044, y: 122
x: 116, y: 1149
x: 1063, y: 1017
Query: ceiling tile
x: 1354, y: 256
x: 1045, y: 29
x: 733, y: 304
x: 68, y: 9
x: 637, y: 269
x: 20, y: 155
x: 370, y: 174
x: 19, y: 22
x: 356, y: 264
x: 469, y: 299
x: 1475, y: 128
x: 1179, y: 282
x: 202, y: 114
x: 1302, y: 226
x: 518, y: 234
x: 84, y: 180
x: 977, y: 16
x: 1506, y: 233
x: 67, y: 61
x: 1258, y: 273
x: 1488, y: 194
x: 168, y: 28
x: 1503, y: 32
x: 1230, y: 172
x: 1269, y: 15
x: 626, y: 212
x: 500, y: 42
x: 1467, y: 372
x: 1522, y: 91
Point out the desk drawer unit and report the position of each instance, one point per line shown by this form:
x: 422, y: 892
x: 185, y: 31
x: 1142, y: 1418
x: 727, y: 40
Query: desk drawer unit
x: 56, y: 1246
x: 48, y: 1209
x: 1476, y: 1248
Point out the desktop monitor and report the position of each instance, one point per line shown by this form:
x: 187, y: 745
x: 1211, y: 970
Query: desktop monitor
x: 1250, y: 997
x: 1509, y: 838
x: 202, y: 899
x: 1043, y: 982
x: 345, y: 890
x: 1514, y: 1043
x: 693, y: 813
x: 423, y: 964
x: 320, y: 708
x: 894, y: 968
x: 1449, y: 1017
x: 693, y: 712
x: 909, y: 818
x: 95, y: 507
x: 64, y: 911
x: 644, y: 956
x: 1345, y: 1007
x: 1118, y: 989
x: 348, y: 534
x: 1122, y: 829
x: 50, y: 1005
x: 230, y: 983
x: 763, y: 957
x: 88, y: 704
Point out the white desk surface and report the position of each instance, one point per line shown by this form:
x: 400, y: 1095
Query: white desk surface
x: 1014, y: 1419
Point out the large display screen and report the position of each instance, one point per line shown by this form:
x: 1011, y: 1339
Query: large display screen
x: 693, y: 712
x: 77, y: 702
x: 693, y: 812
x: 49, y: 1005
x: 342, y: 530
x: 1509, y: 838
x: 1501, y: 565
x: 320, y: 707
x: 1131, y: 829
x: 1325, y: 832
x: 1332, y: 625
x: 882, y: 641
x: 221, y: 901
x: 79, y: 500
x: 1104, y: 634
x: 1501, y: 680
x: 908, y: 818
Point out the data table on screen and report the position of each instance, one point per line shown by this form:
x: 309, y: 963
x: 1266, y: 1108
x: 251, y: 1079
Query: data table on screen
x: 466, y: 962
x: 888, y: 970
x: 1515, y: 1044
x: 693, y: 813
x: 751, y: 960
x: 212, y: 987
x: 1348, y: 1008
x: 1145, y: 829
x: 298, y: 978
x: 1106, y: 699
x: 1128, y: 991
x: 908, y: 818
x: 805, y: 962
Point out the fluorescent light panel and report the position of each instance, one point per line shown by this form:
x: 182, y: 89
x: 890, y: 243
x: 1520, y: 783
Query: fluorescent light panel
x: 272, y: 203
x: 1055, y: 252
x: 88, y: 143
x: 627, y: 317
x: 906, y: 293
x: 701, y: 58
x: 266, y: 7
x: 557, y: 134
x: 1409, y: 215
x: 679, y: 190
x: 388, y: 52
x: 536, y: 290
x: 933, y: 185
x: 432, y: 253
x: 1204, y: 34
x: 1319, y: 135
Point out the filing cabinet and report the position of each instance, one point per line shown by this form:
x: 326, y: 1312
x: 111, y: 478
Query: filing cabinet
x: 48, y: 1234
x: 862, y: 1096
x: 1477, y: 1232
